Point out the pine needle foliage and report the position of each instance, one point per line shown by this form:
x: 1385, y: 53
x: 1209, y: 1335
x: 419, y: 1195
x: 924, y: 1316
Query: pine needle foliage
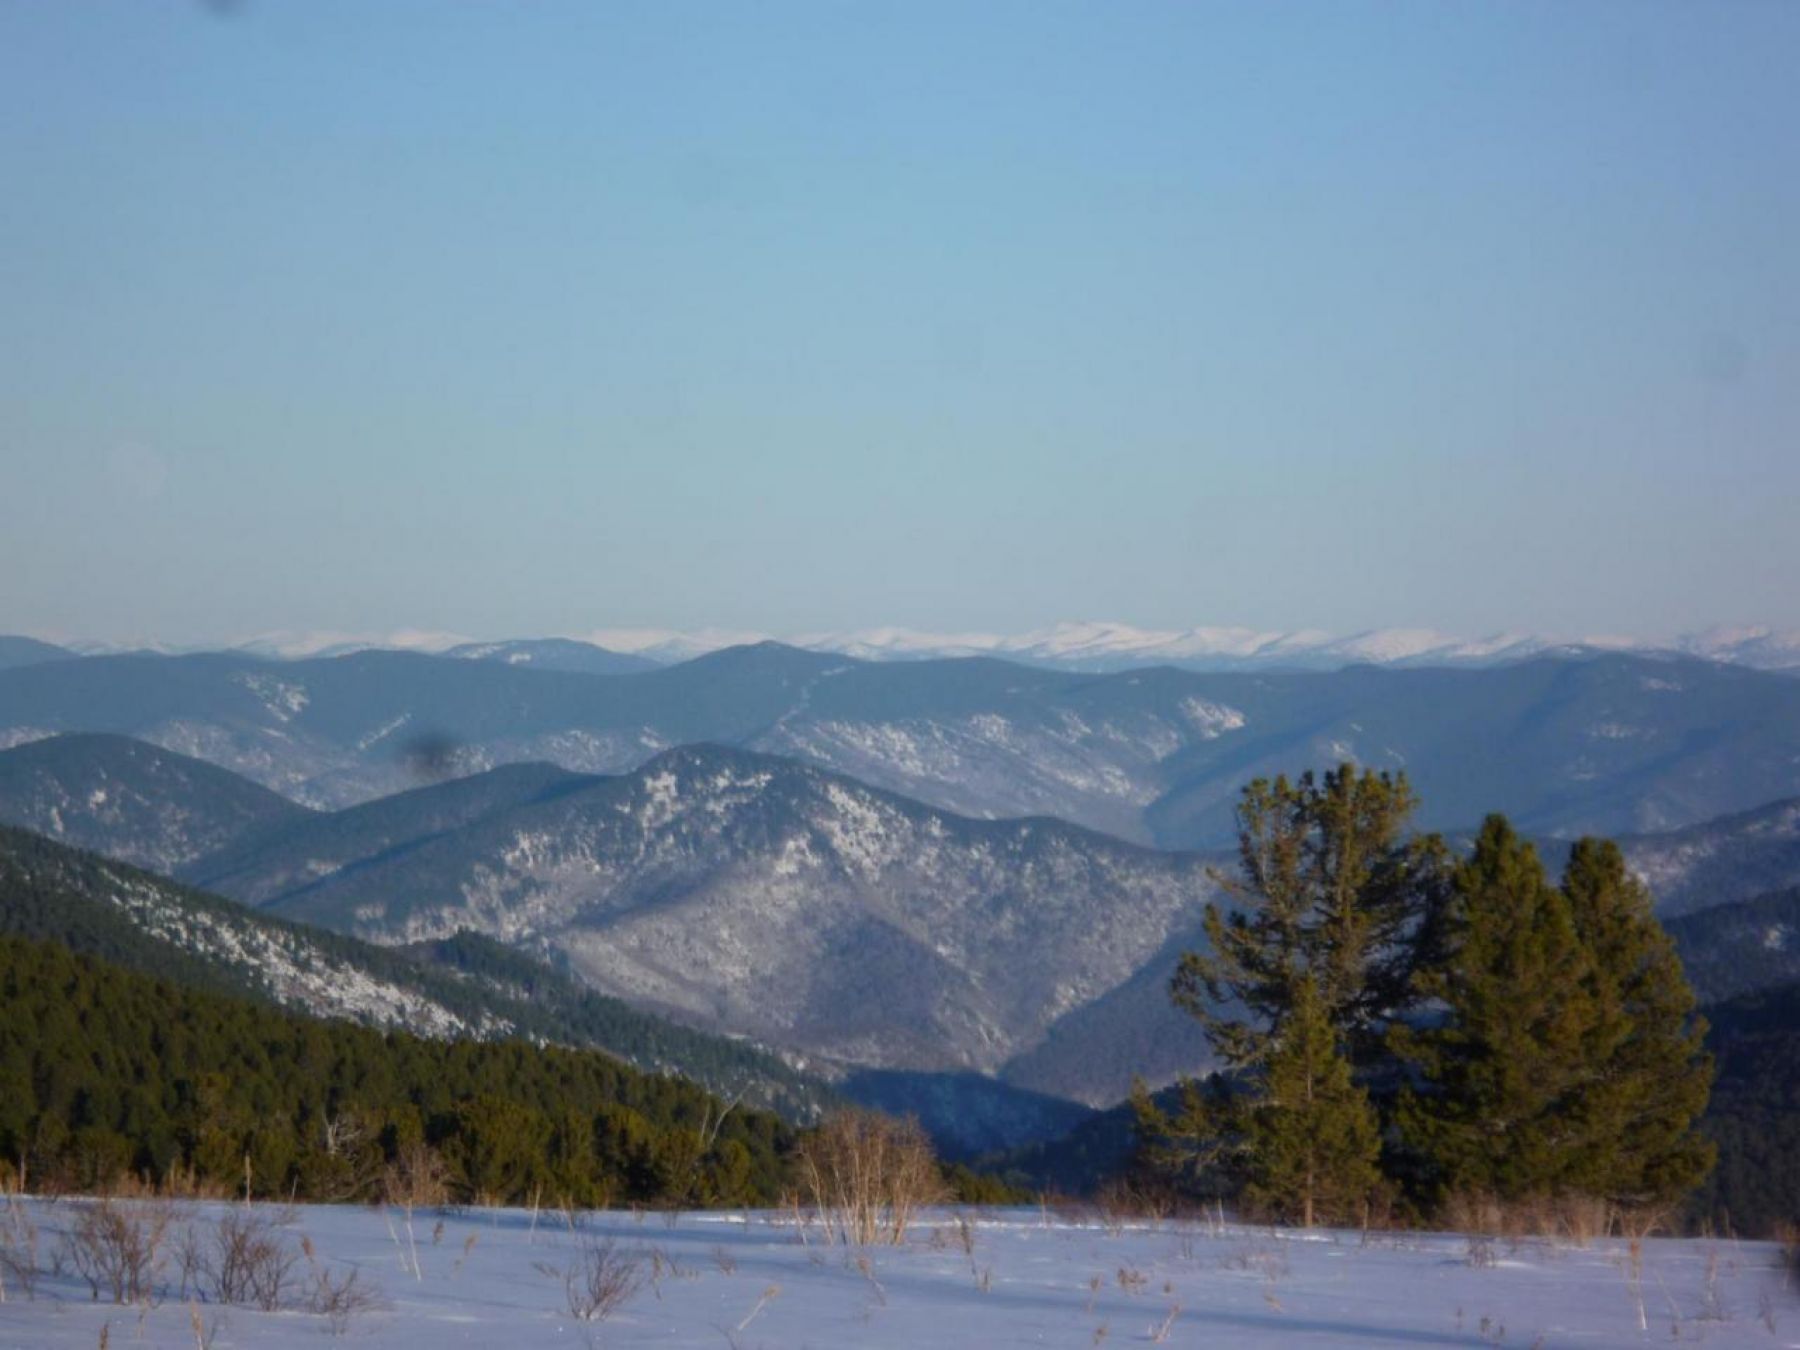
x: 1651, y: 1075
x: 1566, y: 1057
x: 1311, y: 1136
x: 1505, y: 1066
x: 1330, y: 887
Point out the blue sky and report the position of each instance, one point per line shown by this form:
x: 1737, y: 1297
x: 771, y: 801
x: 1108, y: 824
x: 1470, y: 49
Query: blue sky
x: 522, y: 318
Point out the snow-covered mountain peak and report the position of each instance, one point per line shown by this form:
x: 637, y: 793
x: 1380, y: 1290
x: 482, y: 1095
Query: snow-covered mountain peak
x: 1091, y: 644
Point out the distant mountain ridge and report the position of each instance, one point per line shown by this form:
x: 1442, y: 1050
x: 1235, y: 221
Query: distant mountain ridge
x: 24, y: 651
x: 1093, y: 646
x: 1611, y: 744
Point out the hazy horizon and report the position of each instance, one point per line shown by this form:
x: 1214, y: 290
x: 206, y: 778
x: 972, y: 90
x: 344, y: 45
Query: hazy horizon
x: 529, y: 320
x: 900, y: 640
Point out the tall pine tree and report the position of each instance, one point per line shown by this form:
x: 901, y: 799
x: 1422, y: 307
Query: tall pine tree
x: 1331, y: 907
x: 1650, y: 1074
x: 1311, y: 1138
x: 1506, y: 1064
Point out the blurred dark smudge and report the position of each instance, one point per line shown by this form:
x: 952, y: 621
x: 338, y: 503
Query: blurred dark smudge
x: 432, y: 756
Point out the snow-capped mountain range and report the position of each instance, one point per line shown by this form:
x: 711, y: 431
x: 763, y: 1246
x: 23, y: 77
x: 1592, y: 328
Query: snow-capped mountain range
x: 1077, y: 645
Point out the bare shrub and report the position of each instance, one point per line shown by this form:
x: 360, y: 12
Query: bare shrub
x: 600, y: 1280
x: 1120, y: 1201
x: 965, y: 1236
x: 250, y: 1263
x: 663, y: 1266
x: 340, y: 1299
x: 190, y: 1257
x: 468, y: 1248
x: 1475, y: 1213
x: 185, y: 1183
x: 1480, y: 1252
x: 1583, y: 1218
x: 1070, y: 1211
x: 865, y: 1176
x: 1787, y: 1236
x: 1269, y: 1261
x: 1638, y: 1221
x: 417, y: 1178
x: 18, y: 1249
x: 1561, y: 1218
x: 117, y: 1248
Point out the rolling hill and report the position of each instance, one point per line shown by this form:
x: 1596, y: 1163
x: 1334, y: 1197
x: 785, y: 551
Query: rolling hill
x: 134, y: 801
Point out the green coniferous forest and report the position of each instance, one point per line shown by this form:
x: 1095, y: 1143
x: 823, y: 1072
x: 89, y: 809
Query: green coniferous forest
x: 105, y: 1071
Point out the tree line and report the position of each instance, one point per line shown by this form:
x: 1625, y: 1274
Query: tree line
x: 1397, y: 1027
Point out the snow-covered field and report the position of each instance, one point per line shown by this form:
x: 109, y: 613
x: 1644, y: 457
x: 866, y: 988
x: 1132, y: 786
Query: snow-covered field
x: 496, y: 1278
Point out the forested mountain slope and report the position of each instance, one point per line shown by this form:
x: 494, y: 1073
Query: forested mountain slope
x: 106, y: 1071
x: 460, y: 987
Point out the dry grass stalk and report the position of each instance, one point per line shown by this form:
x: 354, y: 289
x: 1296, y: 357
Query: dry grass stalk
x: 205, y: 1333
x: 1160, y: 1332
x: 771, y: 1292
x: 1576, y: 1219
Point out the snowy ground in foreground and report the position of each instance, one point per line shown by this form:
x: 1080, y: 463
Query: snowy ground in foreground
x: 485, y: 1283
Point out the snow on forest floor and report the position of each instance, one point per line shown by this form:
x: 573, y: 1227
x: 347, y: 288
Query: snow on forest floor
x: 497, y: 1278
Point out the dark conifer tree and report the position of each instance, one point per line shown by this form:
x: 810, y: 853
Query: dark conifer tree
x: 1329, y: 887
x: 1311, y: 1137
x: 1649, y: 1073
x: 1506, y: 1065
x: 1335, y: 906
